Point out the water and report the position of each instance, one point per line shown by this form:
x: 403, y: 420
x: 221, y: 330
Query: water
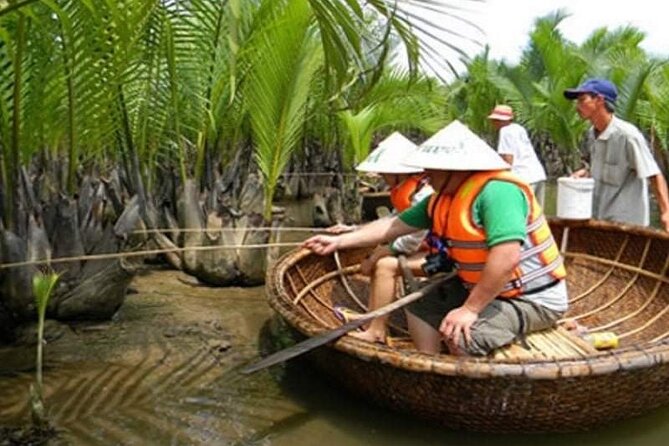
x: 165, y: 371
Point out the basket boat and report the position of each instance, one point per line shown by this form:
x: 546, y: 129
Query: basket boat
x: 617, y: 281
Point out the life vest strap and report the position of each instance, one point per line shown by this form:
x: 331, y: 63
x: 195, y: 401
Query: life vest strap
x: 533, y: 275
x: 542, y: 287
x: 466, y: 244
x: 469, y: 266
x: 536, y: 249
x: 517, y: 284
x: 536, y: 224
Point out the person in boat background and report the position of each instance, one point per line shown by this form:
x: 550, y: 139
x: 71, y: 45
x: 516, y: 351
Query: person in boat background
x: 515, y: 147
x: 510, y: 275
x: 408, y: 186
x: 621, y: 161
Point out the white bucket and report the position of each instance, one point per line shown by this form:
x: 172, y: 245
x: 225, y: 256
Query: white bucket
x: 574, y: 198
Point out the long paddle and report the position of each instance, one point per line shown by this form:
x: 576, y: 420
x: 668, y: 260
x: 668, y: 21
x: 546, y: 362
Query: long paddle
x: 324, y: 338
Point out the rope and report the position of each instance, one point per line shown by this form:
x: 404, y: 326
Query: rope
x: 317, y: 174
x: 120, y: 255
x: 260, y: 228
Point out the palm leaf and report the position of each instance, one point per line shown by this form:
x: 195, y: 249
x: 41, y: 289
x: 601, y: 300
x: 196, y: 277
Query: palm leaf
x: 359, y: 128
x: 15, y: 60
x: 398, y: 101
x: 286, y: 58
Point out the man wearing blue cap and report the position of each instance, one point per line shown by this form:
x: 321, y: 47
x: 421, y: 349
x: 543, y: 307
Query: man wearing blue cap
x: 621, y: 162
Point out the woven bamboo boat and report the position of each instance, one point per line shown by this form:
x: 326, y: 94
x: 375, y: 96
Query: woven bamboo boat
x: 618, y: 282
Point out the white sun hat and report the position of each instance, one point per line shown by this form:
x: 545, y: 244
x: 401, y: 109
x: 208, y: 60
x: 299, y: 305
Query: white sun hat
x: 455, y: 147
x: 388, y: 156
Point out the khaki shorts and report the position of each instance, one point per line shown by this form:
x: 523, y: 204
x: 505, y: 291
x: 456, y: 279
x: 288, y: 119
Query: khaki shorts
x: 499, y: 324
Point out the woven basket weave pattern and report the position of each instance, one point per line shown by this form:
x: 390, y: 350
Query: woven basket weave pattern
x: 618, y: 281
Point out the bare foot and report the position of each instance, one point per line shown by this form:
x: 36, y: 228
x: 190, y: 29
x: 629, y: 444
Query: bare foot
x: 370, y: 336
x: 573, y: 326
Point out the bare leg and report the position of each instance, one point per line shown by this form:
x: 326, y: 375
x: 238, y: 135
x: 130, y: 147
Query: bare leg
x: 424, y: 336
x: 383, y: 292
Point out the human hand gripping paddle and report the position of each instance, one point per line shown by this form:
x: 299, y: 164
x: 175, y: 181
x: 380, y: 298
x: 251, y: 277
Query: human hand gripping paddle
x: 331, y: 335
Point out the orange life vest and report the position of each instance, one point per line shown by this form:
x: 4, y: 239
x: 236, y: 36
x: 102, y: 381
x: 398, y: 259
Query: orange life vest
x: 401, y: 194
x: 453, y: 222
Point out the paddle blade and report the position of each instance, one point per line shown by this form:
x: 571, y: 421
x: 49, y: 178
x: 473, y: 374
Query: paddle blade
x: 331, y: 335
x: 303, y: 347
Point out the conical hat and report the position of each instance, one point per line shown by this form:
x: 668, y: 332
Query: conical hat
x: 455, y: 147
x: 388, y: 156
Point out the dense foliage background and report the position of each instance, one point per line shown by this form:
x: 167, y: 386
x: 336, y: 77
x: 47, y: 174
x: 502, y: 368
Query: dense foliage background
x: 187, y: 85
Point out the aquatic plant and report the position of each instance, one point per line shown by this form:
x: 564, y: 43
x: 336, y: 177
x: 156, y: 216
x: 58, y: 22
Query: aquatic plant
x: 43, y: 285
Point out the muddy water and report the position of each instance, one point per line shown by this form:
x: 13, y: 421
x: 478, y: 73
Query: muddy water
x: 163, y: 370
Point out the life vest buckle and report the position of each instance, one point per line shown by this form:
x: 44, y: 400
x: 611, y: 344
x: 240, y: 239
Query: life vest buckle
x: 517, y: 283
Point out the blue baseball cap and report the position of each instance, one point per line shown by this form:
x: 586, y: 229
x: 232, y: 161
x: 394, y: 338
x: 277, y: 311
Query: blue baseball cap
x: 601, y: 87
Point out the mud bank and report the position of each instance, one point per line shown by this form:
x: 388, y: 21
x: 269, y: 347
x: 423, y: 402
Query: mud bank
x: 164, y: 368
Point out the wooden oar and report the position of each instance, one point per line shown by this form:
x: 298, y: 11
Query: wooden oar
x: 324, y: 338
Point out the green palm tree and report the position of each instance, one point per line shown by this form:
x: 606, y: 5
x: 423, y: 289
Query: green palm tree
x: 176, y: 83
x: 398, y: 101
x: 535, y: 87
x: 287, y: 57
x: 471, y: 97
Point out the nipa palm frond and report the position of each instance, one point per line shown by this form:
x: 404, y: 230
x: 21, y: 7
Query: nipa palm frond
x: 286, y: 58
x: 359, y: 129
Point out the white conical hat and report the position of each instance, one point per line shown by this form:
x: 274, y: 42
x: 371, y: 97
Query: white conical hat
x: 455, y: 147
x: 388, y: 156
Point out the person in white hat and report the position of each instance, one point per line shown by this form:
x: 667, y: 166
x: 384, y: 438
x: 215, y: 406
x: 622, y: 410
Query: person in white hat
x: 515, y: 148
x: 487, y: 222
x: 408, y: 186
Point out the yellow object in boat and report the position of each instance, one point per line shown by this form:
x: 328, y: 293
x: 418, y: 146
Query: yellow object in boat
x: 603, y: 340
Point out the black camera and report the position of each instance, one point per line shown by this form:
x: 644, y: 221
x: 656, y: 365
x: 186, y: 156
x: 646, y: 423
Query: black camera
x: 438, y: 262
